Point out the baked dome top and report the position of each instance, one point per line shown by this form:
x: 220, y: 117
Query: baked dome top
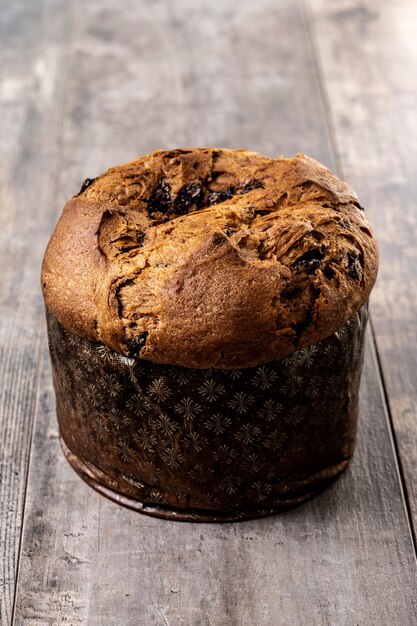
x: 206, y: 257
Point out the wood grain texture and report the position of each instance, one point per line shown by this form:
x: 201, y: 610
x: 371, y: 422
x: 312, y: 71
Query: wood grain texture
x: 369, y: 59
x: 32, y: 77
x: 153, y: 75
x: 140, y: 76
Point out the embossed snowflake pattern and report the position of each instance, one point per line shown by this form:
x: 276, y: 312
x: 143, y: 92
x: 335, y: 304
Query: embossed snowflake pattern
x: 296, y: 415
x: 292, y: 386
x: 261, y: 490
x: 218, y: 423
x: 124, y: 451
x: 270, y: 410
x: 73, y: 340
x: 234, y: 374
x: 132, y: 376
x: 264, y: 377
x: 100, y: 425
x: 173, y: 458
x: 188, y: 409
x: 138, y: 405
x: 211, y: 391
x: 154, y: 473
x: 276, y: 440
x: 117, y: 419
x: 195, y: 441
x: 290, y: 360
x: 241, y: 402
x: 101, y: 352
x: 77, y: 373
x: 224, y: 453
x: 341, y: 333
x: 252, y: 463
x: 247, y: 434
x: 212, y: 499
x: 94, y: 394
x: 305, y: 356
x: 112, y: 385
x: 89, y: 365
x: 145, y: 439
x: 156, y: 496
x: 230, y: 484
x: 201, y: 474
x: 165, y: 425
x: 314, y: 387
x: 159, y: 390
x: 181, y: 376
x: 331, y: 353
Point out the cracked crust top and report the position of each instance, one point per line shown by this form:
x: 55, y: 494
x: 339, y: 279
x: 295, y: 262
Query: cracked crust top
x: 210, y: 258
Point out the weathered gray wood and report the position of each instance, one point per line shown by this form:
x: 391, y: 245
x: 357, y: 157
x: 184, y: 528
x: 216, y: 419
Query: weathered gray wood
x: 150, y: 75
x: 369, y: 60
x: 146, y: 75
x: 32, y: 78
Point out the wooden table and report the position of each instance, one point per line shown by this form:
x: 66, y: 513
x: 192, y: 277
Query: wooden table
x: 85, y: 85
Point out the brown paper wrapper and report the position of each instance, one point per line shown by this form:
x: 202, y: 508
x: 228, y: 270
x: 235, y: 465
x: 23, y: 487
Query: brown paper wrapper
x: 208, y: 444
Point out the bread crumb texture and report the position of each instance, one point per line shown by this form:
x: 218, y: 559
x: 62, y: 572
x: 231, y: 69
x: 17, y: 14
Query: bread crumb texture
x: 206, y: 257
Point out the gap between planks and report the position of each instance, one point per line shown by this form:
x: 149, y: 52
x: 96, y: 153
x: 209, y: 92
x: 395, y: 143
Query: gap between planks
x: 39, y: 362
x: 314, y: 48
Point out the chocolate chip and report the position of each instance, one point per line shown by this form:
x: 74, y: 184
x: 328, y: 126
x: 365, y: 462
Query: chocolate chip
x: 190, y: 195
x: 311, y: 259
x: 228, y: 232
x: 329, y: 272
x: 262, y: 210
x: 218, y: 239
x: 160, y: 200
x: 215, y: 197
x: 354, y: 265
x: 313, y: 265
x: 292, y: 292
x: 86, y: 184
x: 135, y: 344
x: 250, y: 185
x: 317, y: 235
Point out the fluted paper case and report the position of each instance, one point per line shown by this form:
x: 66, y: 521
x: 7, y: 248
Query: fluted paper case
x: 208, y: 444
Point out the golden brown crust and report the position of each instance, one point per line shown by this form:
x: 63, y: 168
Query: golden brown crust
x: 210, y: 258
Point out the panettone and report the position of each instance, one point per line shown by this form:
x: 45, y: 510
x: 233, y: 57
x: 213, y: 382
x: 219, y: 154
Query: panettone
x: 206, y: 313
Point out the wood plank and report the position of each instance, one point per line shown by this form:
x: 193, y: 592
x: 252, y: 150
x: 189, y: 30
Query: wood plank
x: 203, y: 73
x: 152, y: 75
x: 369, y: 60
x: 32, y: 78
